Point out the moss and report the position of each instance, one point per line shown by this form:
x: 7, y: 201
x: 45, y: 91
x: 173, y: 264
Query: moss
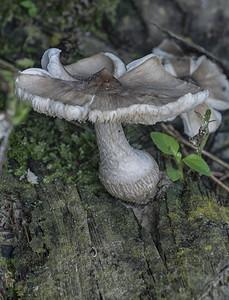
x: 209, y: 210
x: 192, y: 227
x: 195, y: 206
x: 63, y: 147
x: 29, y: 28
x: 54, y: 232
x: 87, y: 207
x: 136, y: 252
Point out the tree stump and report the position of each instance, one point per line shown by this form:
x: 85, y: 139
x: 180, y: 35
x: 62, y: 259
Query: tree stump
x: 86, y: 246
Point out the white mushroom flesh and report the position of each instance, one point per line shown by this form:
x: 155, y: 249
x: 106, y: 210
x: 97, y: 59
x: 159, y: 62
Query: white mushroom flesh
x: 127, y: 173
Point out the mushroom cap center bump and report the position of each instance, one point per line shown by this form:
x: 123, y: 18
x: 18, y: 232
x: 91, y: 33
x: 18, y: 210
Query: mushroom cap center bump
x: 103, y: 79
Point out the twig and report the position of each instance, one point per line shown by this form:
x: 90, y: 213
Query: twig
x: 219, y: 182
x: 218, y: 174
x: 224, y: 177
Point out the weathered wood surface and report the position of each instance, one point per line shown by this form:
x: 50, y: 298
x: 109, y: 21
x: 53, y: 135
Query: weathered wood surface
x: 94, y: 247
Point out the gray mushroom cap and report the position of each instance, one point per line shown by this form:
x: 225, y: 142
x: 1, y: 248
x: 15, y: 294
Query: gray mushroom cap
x: 102, y: 89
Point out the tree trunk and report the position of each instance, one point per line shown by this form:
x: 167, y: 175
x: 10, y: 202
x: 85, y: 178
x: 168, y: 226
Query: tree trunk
x: 85, y: 246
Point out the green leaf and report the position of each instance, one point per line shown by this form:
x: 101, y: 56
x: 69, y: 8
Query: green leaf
x: 199, y: 115
x: 207, y: 115
x: 174, y: 174
x: 32, y: 11
x: 178, y: 156
x: 165, y: 143
x: 27, y: 4
x: 197, y: 163
x: 21, y: 113
x: 25, y: 63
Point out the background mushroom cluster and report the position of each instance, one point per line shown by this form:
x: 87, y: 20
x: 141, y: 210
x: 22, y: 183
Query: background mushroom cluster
x: 200, y: 71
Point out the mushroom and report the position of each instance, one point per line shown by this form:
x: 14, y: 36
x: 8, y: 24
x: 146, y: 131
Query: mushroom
x: 202, y: 72
x: 103, y: 90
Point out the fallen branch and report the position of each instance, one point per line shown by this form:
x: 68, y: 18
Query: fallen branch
x: 220, y: 183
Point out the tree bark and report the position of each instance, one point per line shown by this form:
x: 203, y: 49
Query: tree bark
x: 86, y: 246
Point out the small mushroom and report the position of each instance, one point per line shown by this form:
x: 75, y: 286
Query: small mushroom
x: 103, y: 90
x: 202, y: 72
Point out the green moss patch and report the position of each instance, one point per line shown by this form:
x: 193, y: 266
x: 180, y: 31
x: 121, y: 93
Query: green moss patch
x: 68, y: 151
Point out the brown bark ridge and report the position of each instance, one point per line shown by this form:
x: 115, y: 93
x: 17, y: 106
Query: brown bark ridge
x: 87, y: 246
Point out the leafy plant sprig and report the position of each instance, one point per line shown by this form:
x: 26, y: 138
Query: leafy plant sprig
x: 170, y: 146
x: 32, y: 10
x: 201, y: 138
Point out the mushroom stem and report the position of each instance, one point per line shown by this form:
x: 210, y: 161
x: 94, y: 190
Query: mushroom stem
x: 126, y: 173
